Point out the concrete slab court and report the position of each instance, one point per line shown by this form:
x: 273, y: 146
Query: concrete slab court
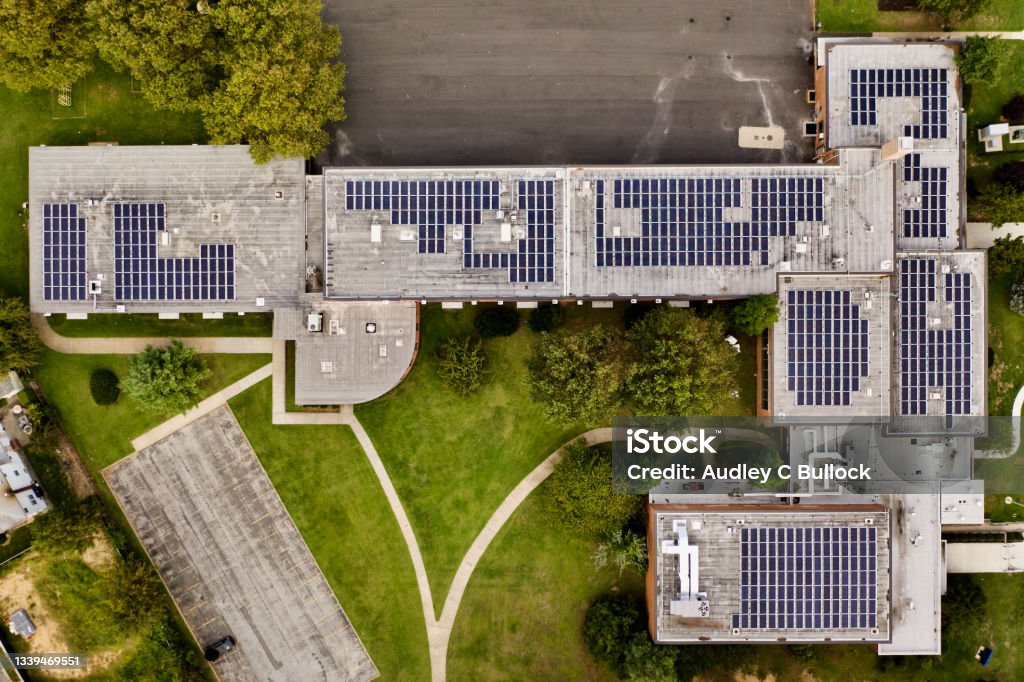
x: 232, y: 558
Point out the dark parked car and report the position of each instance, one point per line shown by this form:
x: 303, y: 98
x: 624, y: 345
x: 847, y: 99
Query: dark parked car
x: 219, y: 648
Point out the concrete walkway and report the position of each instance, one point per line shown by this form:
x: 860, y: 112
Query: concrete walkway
x: 983, y: 235
x: 132, y: 345
x: 202, y: 409
x: 439, y: 630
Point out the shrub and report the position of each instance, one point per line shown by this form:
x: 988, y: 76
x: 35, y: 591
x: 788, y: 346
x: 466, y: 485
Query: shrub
x: 610, y: 622
x: 1011, y: 174
x: 1017, y: 298
x: 1013, y: 111
x: 461, y: 364
x: 497, y: 321
x: 546, y: 317
x: 623, y: 550
x: 104, y: 386
x: 1006, y: 257
x: 580, y: 492
x: 754, y: 315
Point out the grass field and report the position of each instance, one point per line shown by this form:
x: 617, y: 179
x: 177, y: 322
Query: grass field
x: 1006, y: 339
x: 331, y: 492
x: 522, y: 616
x: 863, y: 16
x: 103, y: 434
x: 984, y: 105
x: 190, y: 324
x: 113, y: 113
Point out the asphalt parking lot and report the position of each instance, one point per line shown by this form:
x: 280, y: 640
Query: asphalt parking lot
x: 231, y: 557
x: 507, y: 82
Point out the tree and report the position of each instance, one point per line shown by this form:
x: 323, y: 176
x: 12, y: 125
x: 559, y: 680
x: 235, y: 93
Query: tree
x: 754, y: 315
x: 682, y: 364
x: 1011, y: 174
x: 259, y: 73
x: 646, y: 662
x: 963, y: 606
x: 103, y: 385
x: 497, y: 321
x: 166, y: 379
x: 610, y: 623
x: 1013, y: 111
x: 953, y: 12
x: 44, y: 43
x: 579, y: 491
x: 546, y: 317
x: 461, y: 364
x: 576, y: 377
x: 1000, y: 204
x: 623, y: 549
x: 1006, y: 257
x: 20, y: 346
x: 981, y: 58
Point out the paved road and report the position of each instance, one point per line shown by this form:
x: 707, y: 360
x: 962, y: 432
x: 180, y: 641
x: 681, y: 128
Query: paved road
x: 133, y: 345
x: 507, y: 82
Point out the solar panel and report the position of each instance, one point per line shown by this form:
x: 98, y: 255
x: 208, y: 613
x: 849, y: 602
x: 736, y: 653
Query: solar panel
x: 934, y: 360
x: 683, y: 221
x: 808, y: 578
x: 930, y: 219
x: 64, y: 243
x: 827, y: 346
x: 867, y: 86
x: 140, y: 274
x: 432, y: 205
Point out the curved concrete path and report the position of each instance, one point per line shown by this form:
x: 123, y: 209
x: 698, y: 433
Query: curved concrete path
x: 1016, y: 412
x: 439, y: 630
x: 132, y: 345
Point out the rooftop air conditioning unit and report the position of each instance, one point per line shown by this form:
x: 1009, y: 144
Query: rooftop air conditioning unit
x: 315, y: 323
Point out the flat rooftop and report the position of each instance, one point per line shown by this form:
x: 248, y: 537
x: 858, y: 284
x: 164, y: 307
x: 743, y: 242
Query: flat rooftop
x: 761, y: 574
x: 164, y: 228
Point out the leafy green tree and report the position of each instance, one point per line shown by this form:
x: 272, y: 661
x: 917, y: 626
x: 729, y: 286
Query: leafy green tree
x: 497, y: 321
x: 546, y: 317
x: 622, y: 549
x: 1013, y: 111
x: 1006, y: 257
x: 258, y: 72
x: 20, y: 346
x: 44, y: 43
x: 576, y: 377
x: 981, y: 58
x: 461, y: 364
x: 579, y: 492
x: 647, y: 662
x: 166, y: 379
x: 60, y: 531
x: 952, y: 12
x: 1011, y: 174
x: 610, y: 623
x: 1000, y: 204
x: 103, y: 385
x: 754, y: 315
x: 682, y: 364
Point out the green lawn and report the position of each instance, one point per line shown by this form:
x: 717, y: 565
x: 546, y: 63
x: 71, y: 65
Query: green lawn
x: 113, y: 113
x: 522, y: 615
x: 984, y: 106
x: 103, y: 434
x: 863, y: 16
x: 189, y: 324
x: 453, y: 460
x: 1006, y: 339
x: 331, y: 492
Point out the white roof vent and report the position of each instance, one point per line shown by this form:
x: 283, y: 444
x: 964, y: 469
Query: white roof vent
x: 215, y: 217
x: 326, y: 367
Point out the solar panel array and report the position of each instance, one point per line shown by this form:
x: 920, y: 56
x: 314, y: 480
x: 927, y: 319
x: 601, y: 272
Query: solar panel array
x: 140, y: 274
x: 934, y: 359
x: 867, y: 86
x: 432, y: 205
x: 64, y: 273
x: 429, y: 204
x: 930, y: 219
x: 827, y: 343
x: 808, y: 578
x: 683, y: 223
